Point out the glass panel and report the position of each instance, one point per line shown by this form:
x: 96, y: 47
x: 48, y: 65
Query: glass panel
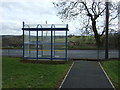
x: 26, y: 43
x: 26, y: 37
x: 44, y: 41
x: 59, y: 51
x: 59, y: 44
x: 26, y: 50
x: 33, y: 44
x: 40, y: 51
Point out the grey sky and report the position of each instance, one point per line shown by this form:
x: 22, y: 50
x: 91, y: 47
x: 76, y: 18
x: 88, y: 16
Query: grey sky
x: 14, y: 12
x: 32, y: 12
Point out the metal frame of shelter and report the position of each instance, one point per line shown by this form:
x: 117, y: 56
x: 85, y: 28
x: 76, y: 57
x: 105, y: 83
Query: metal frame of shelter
x: 39, y: 44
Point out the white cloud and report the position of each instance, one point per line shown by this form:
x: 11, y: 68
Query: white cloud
x: 15, y: 12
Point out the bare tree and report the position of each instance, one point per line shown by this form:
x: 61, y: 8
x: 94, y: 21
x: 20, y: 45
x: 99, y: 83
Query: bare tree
x: 73, y: 9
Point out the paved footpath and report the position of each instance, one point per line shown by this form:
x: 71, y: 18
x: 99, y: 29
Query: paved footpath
x: 86, y: 74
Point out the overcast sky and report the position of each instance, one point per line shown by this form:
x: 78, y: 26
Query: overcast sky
x: 14, y: 12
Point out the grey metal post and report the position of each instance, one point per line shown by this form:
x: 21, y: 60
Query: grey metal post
x: 66, y: 44
x: 51, y: 44
x: 119, y: 28
x: 29, y: 44
x: 54, y: 43
x: 107, y: 27
x: 119, y: 44
x: 23, y: 39
x: 37, y: 45
x: 42, y: 44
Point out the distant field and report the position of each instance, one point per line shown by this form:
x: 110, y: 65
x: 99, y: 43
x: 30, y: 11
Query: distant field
x: 16, y: 74
x: 74, y: 42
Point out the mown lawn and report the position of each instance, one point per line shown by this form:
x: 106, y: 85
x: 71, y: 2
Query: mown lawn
x: 16, y: 74
x: 112, y: 69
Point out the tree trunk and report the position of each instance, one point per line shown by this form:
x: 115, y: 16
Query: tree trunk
x: 96, y: 35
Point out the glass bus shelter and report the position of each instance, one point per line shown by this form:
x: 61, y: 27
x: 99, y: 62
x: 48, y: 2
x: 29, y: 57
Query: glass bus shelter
x: 45, y: 41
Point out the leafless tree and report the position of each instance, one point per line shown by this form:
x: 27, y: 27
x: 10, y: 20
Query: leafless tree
x: 74, y: 9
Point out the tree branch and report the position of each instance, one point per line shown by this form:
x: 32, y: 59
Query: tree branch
x: 93, y: 10
x: 89, y: 14
x: 101, y: 12
x: 98, y: 7
x: 102, y: 33
x: 113, y: 18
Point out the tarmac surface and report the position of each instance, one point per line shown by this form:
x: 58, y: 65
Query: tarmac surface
x: 73, y: 54
x: 86, y: 74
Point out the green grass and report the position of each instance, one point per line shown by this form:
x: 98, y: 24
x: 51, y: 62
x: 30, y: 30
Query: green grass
x: 27, y: 75
x: 111, y: 68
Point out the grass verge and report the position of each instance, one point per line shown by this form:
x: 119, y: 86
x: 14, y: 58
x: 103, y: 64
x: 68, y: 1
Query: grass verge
x: 112, y: 70
x: 27, y: 75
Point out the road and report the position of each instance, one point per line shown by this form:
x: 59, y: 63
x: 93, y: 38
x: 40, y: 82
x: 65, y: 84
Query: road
x: 74, y: 54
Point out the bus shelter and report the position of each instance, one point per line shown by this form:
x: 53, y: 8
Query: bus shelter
x: 45, y: 41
